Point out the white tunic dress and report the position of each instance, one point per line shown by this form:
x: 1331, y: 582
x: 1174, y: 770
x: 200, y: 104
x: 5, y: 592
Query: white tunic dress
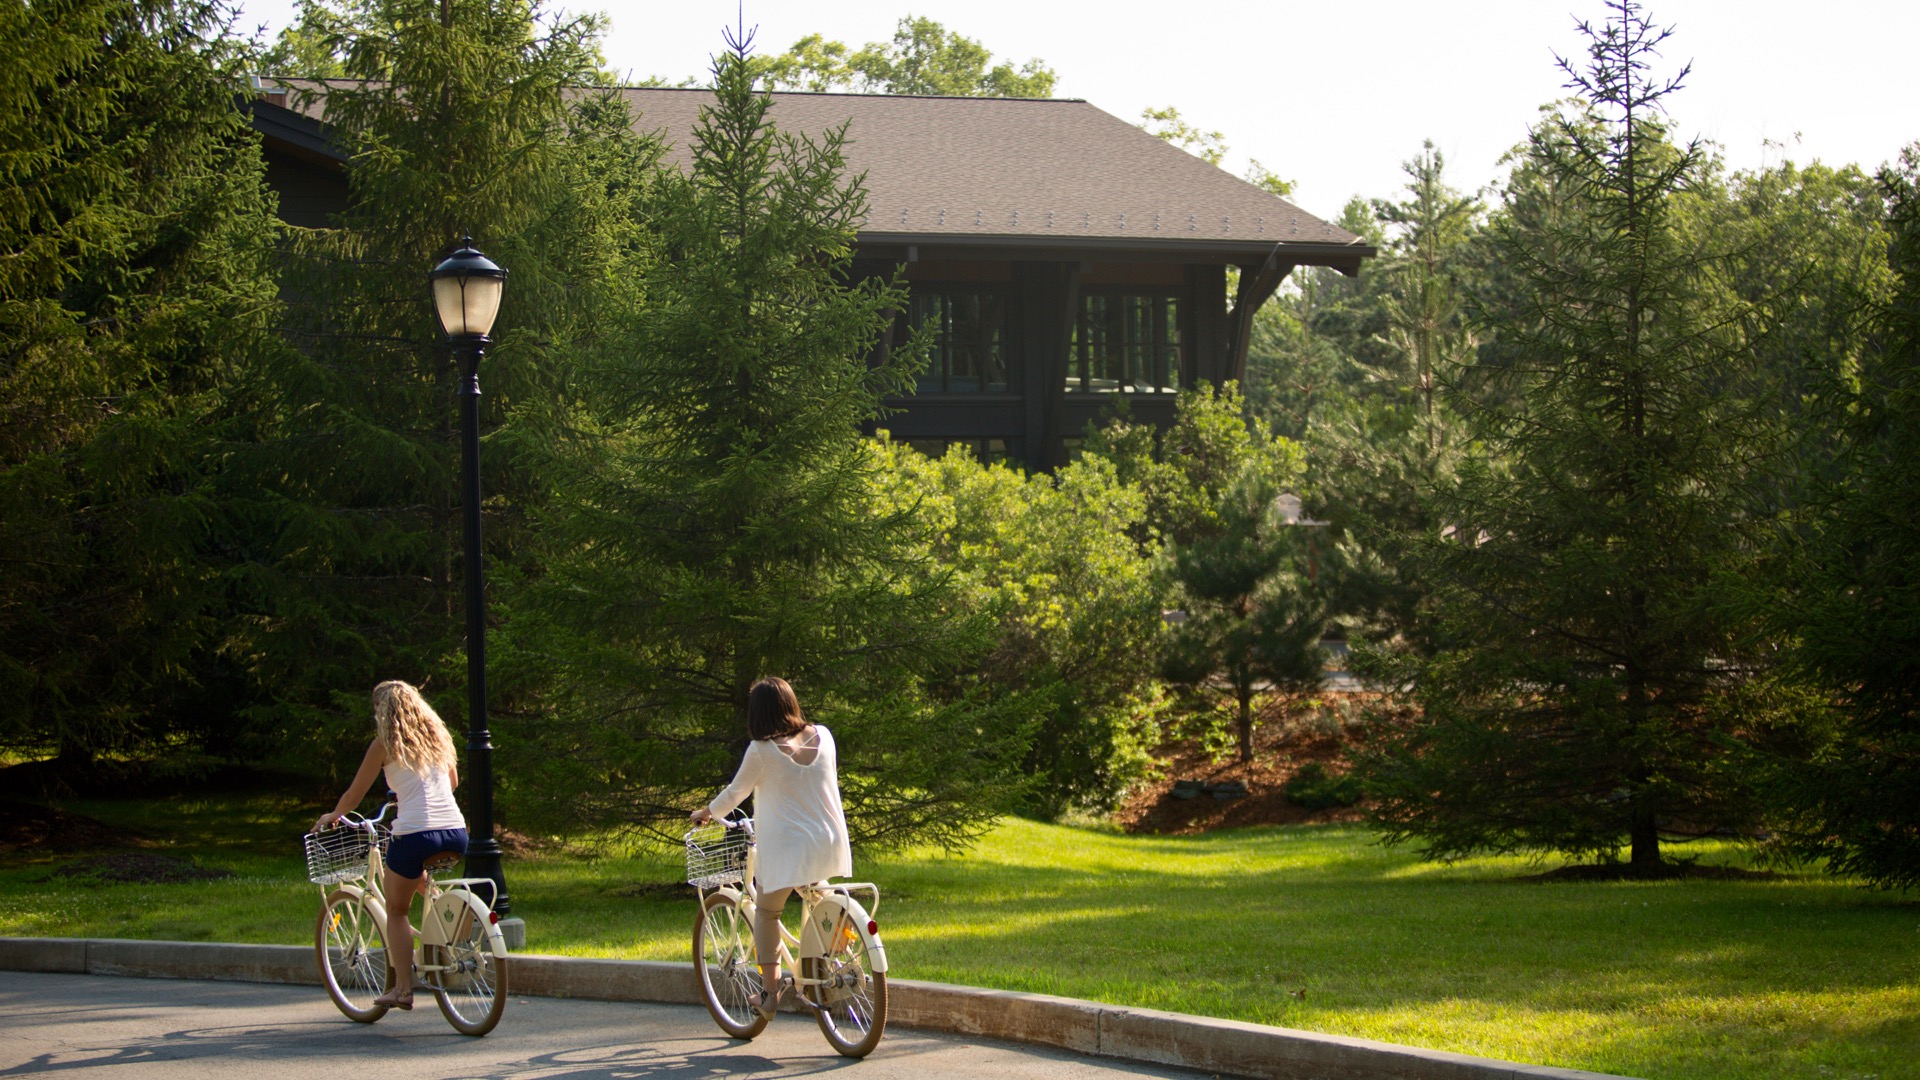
x: 798, y: 823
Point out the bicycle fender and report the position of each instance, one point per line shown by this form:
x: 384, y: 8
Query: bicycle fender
x: 376, y: 903
x: 826, y: 913
x: 437, y: 926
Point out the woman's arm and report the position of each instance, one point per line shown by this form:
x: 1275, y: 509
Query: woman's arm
x: 744, y: 782
x: 362, y: 780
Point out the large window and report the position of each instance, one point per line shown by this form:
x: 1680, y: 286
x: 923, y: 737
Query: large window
x: 969, y: 352
x: 1126, y: 343
x: 989, y: 451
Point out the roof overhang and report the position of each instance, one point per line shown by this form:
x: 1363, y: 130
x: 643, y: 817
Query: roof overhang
x: 294, y: 134
x: 912, y: 247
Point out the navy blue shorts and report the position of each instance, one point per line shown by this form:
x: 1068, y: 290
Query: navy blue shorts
x: 407, y: 852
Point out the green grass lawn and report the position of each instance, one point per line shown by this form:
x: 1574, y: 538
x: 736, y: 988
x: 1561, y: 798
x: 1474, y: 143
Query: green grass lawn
x: 1800, y: 977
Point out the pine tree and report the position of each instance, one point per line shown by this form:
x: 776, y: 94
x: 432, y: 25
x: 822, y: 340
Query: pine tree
x: 1585, y: 685
x: 459, y: 118
x: 1253, y: 613
x: 1234, y: 561
x: 1392, y: 433
x: 135, y: 229
x: 1855, y: 800
x: 715, y: 521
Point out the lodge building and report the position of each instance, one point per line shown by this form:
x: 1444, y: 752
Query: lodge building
x: 1064, y: 256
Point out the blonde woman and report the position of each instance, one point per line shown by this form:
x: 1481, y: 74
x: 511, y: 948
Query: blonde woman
x: 792, y: 770
x: 412, y: 747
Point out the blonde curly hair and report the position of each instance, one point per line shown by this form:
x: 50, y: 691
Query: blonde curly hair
x: 408, y: 727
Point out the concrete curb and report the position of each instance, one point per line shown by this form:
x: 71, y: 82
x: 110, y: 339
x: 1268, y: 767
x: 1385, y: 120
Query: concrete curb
x: 1162, y: 1038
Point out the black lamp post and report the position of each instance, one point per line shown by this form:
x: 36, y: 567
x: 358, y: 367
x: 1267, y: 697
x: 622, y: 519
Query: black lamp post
x: 466, y: 293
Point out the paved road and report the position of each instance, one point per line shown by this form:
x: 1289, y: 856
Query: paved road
x: 168, y: 1029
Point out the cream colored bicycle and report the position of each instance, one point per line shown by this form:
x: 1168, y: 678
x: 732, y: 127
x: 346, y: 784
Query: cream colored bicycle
x: 841, y: 975
x: 461, y: 955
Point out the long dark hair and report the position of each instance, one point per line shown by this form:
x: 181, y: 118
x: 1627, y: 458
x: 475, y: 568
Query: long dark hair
x: 772, y: 710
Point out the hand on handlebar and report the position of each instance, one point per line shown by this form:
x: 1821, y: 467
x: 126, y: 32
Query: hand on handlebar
x: 333, y: 818
x: 700, y: 816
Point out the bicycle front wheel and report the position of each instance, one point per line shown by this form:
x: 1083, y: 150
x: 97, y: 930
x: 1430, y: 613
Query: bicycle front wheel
x: 851, y: 995
x: 350, y: 945
x: 471, y: 983
x: 723, y: 958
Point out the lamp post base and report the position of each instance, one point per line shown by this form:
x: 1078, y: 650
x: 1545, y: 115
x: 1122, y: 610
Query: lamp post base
x: 514, y: 929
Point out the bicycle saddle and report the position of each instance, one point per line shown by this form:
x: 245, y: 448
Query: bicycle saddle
x: 444, y: 860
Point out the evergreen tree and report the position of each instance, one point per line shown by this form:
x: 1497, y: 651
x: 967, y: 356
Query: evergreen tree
x: 1586, y: 685
x: 1233, y: 561
x: 135, y: 228
x: 1855, y: 799
x: 1315, y: 341
x: 714, y: 520
x: 458, y: 120
x: 1253, y: 612
x: 1394, y: 434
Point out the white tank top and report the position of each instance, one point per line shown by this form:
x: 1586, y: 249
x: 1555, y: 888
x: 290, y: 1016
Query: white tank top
x: 426, y: 799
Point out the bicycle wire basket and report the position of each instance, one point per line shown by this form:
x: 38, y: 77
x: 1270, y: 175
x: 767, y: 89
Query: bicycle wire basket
x: 340, y: 854
x: 717, y: 855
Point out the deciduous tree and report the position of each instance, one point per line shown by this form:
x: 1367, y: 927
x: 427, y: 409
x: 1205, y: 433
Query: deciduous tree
x: 1053, y: 560
x: 924, y: 57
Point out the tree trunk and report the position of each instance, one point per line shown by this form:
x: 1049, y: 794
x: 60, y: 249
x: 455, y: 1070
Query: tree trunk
x: 1244, y: 691
x: 1645, y: 837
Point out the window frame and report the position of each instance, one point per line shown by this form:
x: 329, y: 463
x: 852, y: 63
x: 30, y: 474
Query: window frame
x: 986, y: 449
x: 1167, y: 348
x: 940, y: 357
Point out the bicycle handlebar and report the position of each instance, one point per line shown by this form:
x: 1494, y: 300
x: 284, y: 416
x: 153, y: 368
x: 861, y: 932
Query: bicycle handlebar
x: 354, y: 820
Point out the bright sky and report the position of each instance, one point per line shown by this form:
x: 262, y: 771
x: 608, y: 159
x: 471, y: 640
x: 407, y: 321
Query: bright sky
x: 1335, y: 95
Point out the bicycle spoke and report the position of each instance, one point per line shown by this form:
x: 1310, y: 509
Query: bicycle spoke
x: 852, y: 997
x: 471, y: 987
x: 723, y: 954
x: 352, y: 956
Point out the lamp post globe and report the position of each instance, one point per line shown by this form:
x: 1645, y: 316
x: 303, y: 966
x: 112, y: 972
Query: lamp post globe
x: 466, y: 292
x: 466, y: 295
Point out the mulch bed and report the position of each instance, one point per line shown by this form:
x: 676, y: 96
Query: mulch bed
x: 1665, y: 871
x: 1288, y: 733
x: 139, y: 868
x: 24, y: 826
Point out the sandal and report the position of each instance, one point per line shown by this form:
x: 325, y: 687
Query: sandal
x: 392, y: 1000
x: 768, y: 1003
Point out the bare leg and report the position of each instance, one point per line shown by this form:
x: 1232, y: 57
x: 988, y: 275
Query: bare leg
x: 399, y: 892
x: 766, y: 938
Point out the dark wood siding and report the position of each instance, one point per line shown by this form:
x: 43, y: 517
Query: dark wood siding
x: 1036, y: 416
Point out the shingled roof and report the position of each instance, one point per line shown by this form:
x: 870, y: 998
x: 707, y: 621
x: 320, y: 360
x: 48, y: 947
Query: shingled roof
x: 1030, y: 172
x: 1012, y: 173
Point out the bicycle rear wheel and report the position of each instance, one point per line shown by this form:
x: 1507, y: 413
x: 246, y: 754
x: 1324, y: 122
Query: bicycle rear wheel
x: 350, y: 945
x: 471, y: 986
x: 723, y: 958
x: 851, y: 995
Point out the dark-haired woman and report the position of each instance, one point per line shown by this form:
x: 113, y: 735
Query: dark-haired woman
x: 791, y: 769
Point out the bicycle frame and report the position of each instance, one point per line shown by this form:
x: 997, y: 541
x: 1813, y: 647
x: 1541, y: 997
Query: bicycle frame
x: 444, y: 908
x: 825, y: 909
